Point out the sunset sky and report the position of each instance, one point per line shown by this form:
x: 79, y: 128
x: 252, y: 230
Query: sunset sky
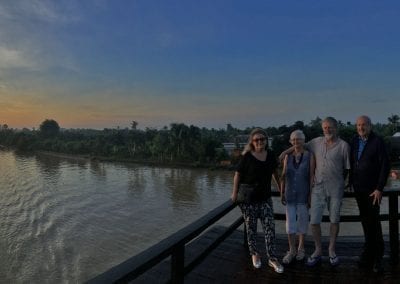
x: 101, y: 64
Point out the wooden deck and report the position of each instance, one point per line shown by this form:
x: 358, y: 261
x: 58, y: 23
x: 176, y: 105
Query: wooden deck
x: 230, y: 263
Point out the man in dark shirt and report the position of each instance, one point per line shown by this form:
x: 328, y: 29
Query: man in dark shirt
x: 369, y: 172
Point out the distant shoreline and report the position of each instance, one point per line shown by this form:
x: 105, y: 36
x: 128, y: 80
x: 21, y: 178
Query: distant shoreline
x: 89, y: 158
x: 64, y: 155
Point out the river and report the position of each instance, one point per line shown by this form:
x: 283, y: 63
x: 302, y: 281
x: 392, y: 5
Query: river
x: 66, y: 220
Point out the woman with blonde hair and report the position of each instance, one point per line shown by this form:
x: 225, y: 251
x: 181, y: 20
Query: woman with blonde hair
x: 257, y: 167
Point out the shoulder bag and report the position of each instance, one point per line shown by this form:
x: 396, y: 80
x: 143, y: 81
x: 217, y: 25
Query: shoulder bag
x: 245, y: 193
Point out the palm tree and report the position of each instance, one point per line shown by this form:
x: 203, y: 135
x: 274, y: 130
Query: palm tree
x: 134, y: 124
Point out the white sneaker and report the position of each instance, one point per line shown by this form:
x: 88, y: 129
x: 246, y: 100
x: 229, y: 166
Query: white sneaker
x: 274, y: 263
x: 288, y: 258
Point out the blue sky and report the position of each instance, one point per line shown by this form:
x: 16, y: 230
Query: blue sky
x: 98, y: 63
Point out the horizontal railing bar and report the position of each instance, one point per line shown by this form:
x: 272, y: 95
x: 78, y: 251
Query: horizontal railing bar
x: 386, y: 192
x: 136, y: 265
x: 212, y: 246
x: 343, y: 218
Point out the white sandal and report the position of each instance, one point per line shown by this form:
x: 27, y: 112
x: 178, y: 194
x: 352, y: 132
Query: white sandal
x: 288, y: 258
x: 301, y: 254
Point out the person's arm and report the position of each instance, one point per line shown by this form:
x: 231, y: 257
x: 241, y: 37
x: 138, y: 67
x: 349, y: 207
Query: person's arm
x: 283, y: 181
x: 349, y: 185
x: 291, y: 149
x: 275, y: 176
x: 312, y: 169
x: 346, y: 161
x: 236, y: 181
x: 285, y: 153
x: 384, y: 169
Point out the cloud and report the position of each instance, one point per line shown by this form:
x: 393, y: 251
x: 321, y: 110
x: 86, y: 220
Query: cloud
x: 30, y: 35
x: 12, y: 58
x: 41, y: 10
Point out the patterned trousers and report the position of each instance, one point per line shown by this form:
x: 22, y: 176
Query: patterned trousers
x: 265, y: 212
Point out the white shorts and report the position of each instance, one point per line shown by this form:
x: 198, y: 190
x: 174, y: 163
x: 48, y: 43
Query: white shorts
x: 299, y: 212
x: 320, y: 199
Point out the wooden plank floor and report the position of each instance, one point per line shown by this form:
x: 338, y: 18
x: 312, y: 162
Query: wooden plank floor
x: 230, y: 263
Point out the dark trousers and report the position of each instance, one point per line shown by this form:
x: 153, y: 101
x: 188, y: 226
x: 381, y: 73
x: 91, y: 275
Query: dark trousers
x: 265, y: 212
x: 371, y: 224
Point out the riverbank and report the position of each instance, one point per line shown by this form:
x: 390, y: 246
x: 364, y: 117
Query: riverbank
x: 395, y: 173
x: 191, y: 165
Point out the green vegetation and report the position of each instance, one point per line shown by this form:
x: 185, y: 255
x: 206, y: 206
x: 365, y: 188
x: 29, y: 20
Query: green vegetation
x: 49, y: 128
x: 176, y: 144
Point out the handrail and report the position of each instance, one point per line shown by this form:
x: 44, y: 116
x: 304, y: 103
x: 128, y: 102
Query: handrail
x: 174, y: 245
x: 171, y: 246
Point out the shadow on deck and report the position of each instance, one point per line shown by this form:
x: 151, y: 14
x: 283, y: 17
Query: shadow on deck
x: 230, y: 263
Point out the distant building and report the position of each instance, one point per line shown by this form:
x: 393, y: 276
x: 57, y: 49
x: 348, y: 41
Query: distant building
x: 233, y: 148
x: 230, y: 147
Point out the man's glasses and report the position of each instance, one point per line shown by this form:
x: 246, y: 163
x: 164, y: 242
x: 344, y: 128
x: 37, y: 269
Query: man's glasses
x: 259, y: 139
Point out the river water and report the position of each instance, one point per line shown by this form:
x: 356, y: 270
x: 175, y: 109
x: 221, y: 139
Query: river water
x: 66, y: 220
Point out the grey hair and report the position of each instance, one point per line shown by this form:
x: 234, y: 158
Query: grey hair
x: 366, y: 118
x: 297, y: 134
x: 331, y: 120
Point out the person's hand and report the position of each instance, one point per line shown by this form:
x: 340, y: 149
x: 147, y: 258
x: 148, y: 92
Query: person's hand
x: 283, y: 199
x: 234, y: 196
x: 349, y: 187
x: 284, y: 153
x: 377, y: 197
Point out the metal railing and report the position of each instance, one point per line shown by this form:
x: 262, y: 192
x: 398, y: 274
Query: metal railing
x: 174, y: 245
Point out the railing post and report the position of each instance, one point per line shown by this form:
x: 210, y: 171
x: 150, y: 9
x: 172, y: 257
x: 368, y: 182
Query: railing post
x: 394, y: 227
x: 178, y: 265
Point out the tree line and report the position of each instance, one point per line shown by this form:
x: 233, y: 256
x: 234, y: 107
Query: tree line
x: 173, y: 144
